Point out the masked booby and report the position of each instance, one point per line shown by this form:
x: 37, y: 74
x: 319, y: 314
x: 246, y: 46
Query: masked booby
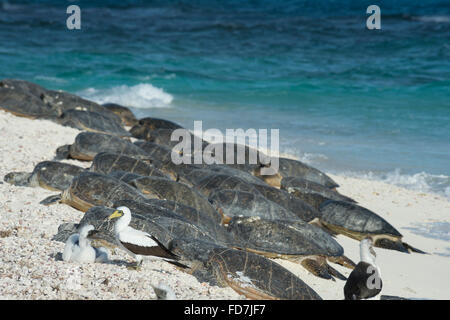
x: 78, y: 248
x: 136, y: 242
x: 365, y: 280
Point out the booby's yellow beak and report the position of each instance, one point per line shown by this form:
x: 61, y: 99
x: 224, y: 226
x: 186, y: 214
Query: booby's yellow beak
x: 116, y: 214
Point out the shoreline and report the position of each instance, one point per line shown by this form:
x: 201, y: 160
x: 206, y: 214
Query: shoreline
x: 31, y: 272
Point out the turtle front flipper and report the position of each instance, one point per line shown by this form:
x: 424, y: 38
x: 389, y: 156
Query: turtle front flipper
x: 21, y: 179
x: 336, y: 273
x: 257, y: 277
x: 51, y: 200
x: 318, y: 267
x: 342, y: 261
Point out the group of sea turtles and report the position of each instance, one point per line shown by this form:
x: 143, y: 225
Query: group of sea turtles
x: 224, y: 222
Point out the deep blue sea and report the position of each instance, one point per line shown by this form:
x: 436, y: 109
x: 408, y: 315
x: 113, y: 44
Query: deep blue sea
x: 348, y: 100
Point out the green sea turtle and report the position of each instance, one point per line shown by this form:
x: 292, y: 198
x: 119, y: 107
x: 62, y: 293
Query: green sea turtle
x: 311, y: 192
x: 51, y: 175
x: 90, y: 189
x: 358, y: 222
x: 214, y: 181
x: 27, y: 99
x: 88, y: 144
x: 295, y: 168
x: 143, y: 128
x: 92, y: 121
x: 64, y: 101
x: 344, y: 218
x: 124, y: 113
x: 293, y: 240
x: 106, y: 162
x: 24, y: 99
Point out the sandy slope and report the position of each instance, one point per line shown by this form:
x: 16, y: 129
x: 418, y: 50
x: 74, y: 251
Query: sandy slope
x: 30, y: 269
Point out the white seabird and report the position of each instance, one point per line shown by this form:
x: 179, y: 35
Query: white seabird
x: 136, y: 242
x: 78, y: 248
x: 365, y: 280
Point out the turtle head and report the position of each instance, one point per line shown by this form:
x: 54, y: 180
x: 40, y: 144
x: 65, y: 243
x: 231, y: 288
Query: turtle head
x: 141, y: 131
x: 18, y: 178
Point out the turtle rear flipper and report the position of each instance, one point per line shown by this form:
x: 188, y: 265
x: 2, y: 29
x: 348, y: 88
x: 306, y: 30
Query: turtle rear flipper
x: 51, y: 200
x: 412, y: 249
x: 397, y: 245
x: 21, y: 179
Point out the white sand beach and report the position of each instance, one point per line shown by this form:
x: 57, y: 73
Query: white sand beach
x: 30, y: 269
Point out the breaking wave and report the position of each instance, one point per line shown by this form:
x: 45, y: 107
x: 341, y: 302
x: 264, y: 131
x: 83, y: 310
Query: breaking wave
x: 143, y: 96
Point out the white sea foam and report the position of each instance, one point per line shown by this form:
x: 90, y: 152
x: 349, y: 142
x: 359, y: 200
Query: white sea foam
x: 310, y: 158
x: 6, y: 6
x: 143, y: 96
x: 423, y: 182
x: 435, y: 19
x: 437, y: 230
x: 306, y: 157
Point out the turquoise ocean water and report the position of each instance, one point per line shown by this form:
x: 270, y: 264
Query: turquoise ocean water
x: 348, y: 100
